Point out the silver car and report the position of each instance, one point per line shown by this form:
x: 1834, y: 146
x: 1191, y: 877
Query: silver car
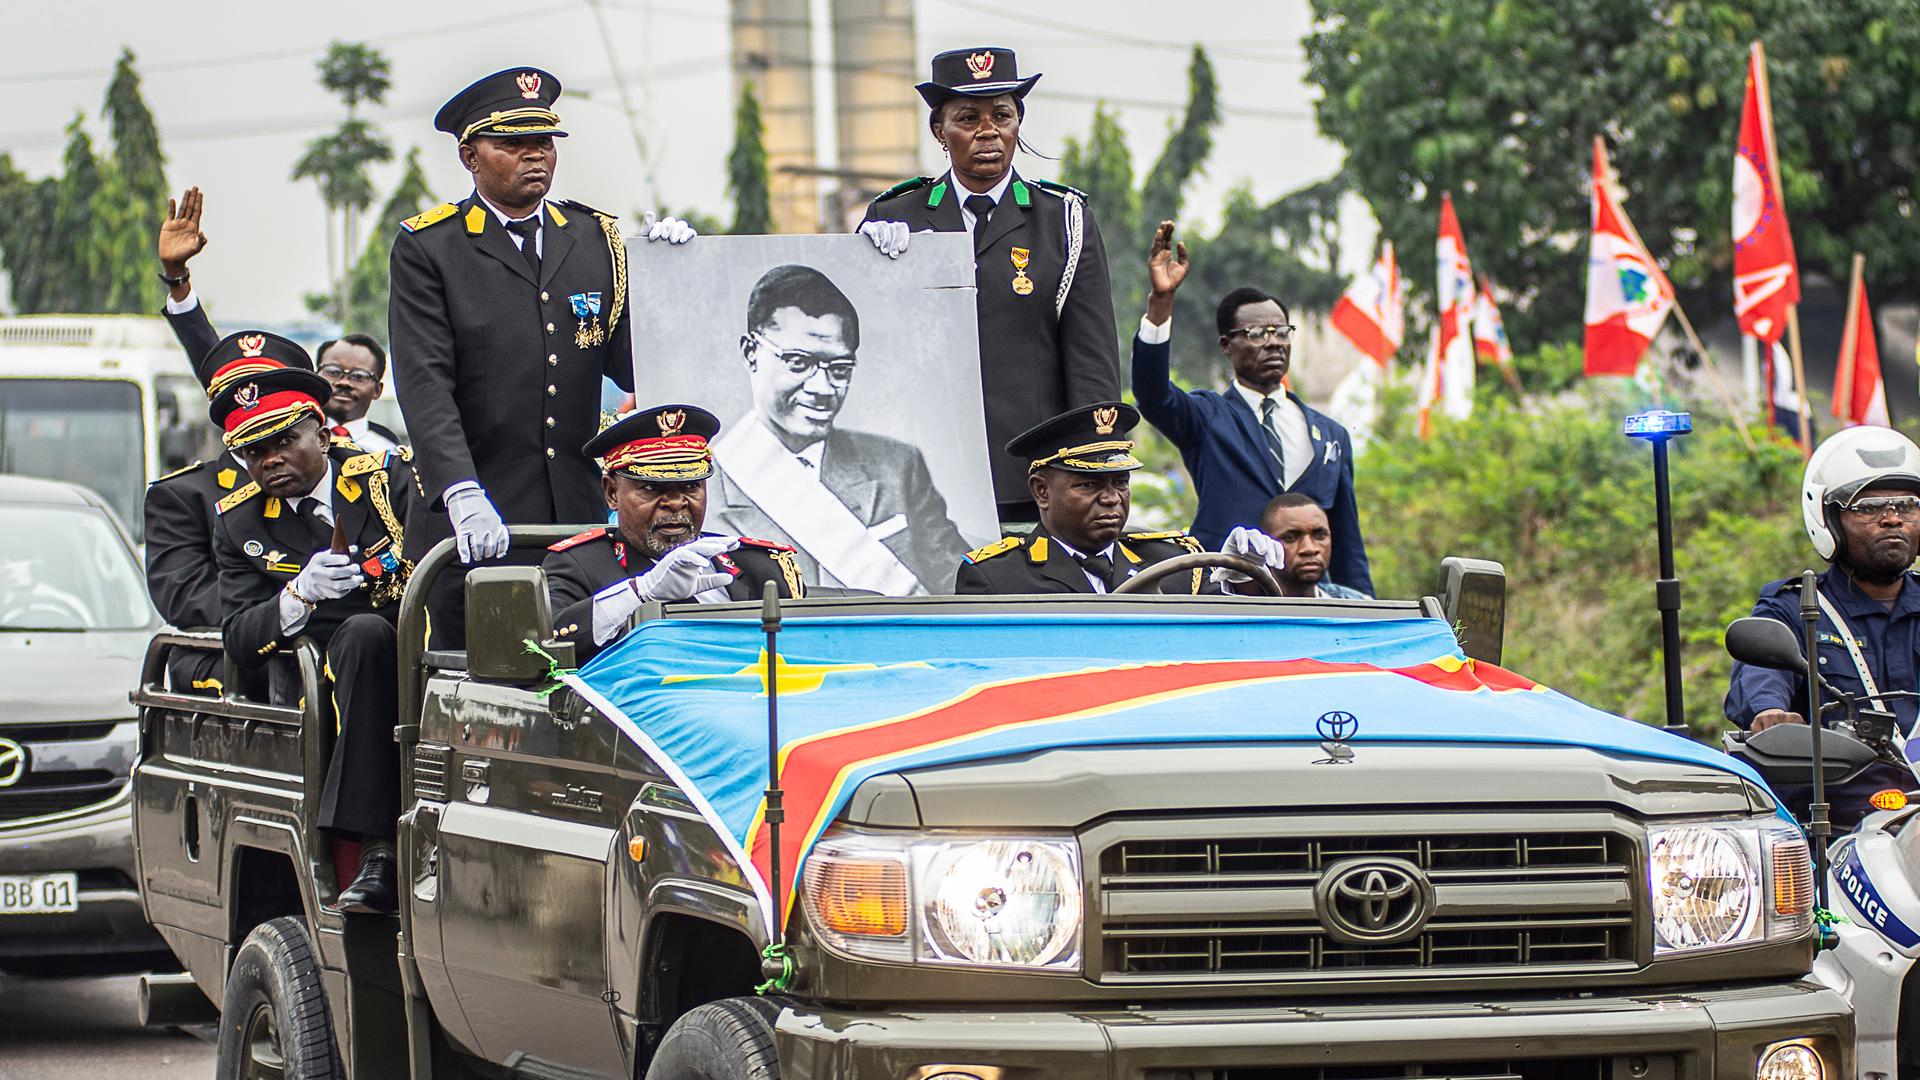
x: 74, y: 623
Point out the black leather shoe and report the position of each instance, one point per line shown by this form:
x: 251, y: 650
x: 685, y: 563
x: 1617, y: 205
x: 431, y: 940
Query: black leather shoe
x: 372, y: 890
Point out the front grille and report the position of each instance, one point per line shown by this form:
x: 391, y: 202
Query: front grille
x: 52, y: 794
x: 1243, y: 907
x: 430, y: 772
x: 1550, y: 1069
x: 46, y: 733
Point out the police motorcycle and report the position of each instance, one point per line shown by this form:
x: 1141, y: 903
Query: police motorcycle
x: 1867, y: 881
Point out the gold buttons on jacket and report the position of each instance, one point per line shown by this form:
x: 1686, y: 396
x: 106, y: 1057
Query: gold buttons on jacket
x: 543, y: 296
x: 549, y: 421
x: 549, y: 328
x: 549, y: 451
x: 552, y: 389
x: 552, y: 360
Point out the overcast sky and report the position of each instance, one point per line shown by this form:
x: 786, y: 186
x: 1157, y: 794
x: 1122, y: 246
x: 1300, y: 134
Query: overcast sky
x: 232, y: 85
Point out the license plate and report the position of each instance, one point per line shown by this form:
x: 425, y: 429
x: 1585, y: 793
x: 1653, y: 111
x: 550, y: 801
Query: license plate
x: 39, y: 894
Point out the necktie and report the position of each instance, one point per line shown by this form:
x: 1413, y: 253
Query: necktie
x: 981, y: 207
x: 320, y: 527
x: 527, y: 229
x: 1270, y: 427
x: 341, y: 431
x: 1099, y: 566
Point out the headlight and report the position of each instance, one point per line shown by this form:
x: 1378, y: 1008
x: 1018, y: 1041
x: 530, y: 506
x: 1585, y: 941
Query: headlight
x: 1718, y: 886
x: 1007, y: 902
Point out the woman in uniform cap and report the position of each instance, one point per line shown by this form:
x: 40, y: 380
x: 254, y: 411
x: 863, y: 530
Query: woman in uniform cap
x: 1047, y: 340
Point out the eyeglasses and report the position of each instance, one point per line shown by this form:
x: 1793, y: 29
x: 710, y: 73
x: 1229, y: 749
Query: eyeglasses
x: 1260, y: 335
x: 335, y: 373
x: 839, y: 369
x: 1904, y: 507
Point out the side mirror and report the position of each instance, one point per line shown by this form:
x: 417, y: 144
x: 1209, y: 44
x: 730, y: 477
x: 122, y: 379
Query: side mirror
x: 1766, y: 643
x: 1473, y: 594
x: 507, y: 607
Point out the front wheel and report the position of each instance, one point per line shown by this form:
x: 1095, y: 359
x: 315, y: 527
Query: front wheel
x: 274, y: 1023
x: 731, y: 1039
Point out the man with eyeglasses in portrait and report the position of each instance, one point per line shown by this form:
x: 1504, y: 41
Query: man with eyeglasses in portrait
x: 1255, y: 440
x: 1860, y: 506
x: 861, y: 508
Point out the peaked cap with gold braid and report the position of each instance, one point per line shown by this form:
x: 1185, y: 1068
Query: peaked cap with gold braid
x: 665, y: 444
x: 1090, y: 439
x: 262, y: 384
x: 517, y: 101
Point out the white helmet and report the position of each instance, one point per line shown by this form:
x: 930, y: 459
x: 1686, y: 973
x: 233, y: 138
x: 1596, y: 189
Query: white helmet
x: 1844, y: 465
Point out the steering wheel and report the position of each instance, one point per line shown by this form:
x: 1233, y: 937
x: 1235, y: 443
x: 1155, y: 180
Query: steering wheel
x: 65, y: 613
x: 1146, y: 580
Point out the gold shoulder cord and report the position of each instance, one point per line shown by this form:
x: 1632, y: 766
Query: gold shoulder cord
x: 390, y: 586
x: 790, y: 569
x: 617, y: 250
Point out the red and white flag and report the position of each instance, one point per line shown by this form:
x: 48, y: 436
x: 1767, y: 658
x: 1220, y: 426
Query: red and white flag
x: 1490, y: 343
x: 1628, y: 296
x: 1766, y: 279
x: 1372, y: 312
x: 1448, y: 385
x: 1859, y: 395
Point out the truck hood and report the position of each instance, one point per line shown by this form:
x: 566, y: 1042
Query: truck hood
x: 864, y: 696
x: 69, y: 676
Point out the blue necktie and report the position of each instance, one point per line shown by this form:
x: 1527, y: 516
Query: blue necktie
x: 1271, y: 429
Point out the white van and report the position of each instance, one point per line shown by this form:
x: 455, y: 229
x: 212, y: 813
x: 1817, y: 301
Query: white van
x: 108, y: 401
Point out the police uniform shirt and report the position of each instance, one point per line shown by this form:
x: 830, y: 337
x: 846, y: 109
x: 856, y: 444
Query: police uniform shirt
x: 1889, y: 641
x: 582, y: 567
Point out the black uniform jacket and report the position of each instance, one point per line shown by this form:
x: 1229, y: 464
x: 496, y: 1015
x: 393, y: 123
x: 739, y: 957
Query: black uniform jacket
x: 1036, y: 563
x: 261, y: 545
x: 1036, y: 362
x: 182, y: 577
x: 497, y: 379
x: 587, y: 562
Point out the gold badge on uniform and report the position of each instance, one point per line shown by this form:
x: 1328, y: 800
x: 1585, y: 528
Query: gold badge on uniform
x: 1022, y: 284
x: 1104, y: 420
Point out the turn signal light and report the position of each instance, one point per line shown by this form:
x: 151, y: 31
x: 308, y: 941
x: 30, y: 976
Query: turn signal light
x: 1792, y: 878
x: 859, y: 896
x: 1889, y: 799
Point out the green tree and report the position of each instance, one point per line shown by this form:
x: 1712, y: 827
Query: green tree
x: 1185, y: 156
x: 35, y: 254
x: 368, y: 291
x: 1496, y: 100
x: 133, y: 197
x: 747, y: 168
x: 338, y: 162
x: 76, y: 248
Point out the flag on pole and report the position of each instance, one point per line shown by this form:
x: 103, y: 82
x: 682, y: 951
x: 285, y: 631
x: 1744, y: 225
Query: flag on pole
x: 1490, y: 343
x: 1449, y: 384
x: 1783, y: 399
x: 1859, y: 395
x: 1628, y: 296
x: 1766, y: 279
x: 1372, y: 312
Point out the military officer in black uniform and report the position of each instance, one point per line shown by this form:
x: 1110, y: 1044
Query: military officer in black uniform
x: 311, y: 547
x: 506, y: 312
x: 1047, y: 339
x: 657, y: 463
x: 1078, y: 466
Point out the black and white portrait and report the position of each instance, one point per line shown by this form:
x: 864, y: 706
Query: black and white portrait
x: 848, y: 388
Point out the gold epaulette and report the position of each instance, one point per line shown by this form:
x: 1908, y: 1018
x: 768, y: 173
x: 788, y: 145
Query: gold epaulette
x: 789, y: 565
x: 359, y: 465
x: 238, y: 497
x: 1176, y: 536
x: 181, y: 471
x: 998, y: 547
x: 430, y: 217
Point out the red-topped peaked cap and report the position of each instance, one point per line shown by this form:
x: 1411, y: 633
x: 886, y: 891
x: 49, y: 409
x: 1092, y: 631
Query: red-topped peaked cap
x: 667, y: 444
x: 261, y: 385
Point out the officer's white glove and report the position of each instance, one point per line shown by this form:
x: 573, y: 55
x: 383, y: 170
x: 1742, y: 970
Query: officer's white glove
x: 889, y: 237
x: 670, y: 229
x: 326, y: 576
x: 477, y: 528
x: 686, y: 571
x: 1251, y: 544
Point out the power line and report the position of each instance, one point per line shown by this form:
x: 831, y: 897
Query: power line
x: 1238, y: 49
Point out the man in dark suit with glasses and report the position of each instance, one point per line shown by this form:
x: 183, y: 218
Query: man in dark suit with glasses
x: 861, y: 508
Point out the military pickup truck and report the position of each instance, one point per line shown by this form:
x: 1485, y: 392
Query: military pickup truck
x: 1130, y: 836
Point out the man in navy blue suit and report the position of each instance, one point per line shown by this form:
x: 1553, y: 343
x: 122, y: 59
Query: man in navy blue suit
x: 1256, y: 440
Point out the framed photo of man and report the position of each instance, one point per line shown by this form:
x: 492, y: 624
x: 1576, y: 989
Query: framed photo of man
x: 848, y: 389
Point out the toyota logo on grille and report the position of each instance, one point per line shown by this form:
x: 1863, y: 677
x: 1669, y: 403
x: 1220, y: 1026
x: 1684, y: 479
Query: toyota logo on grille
x: 13, y: 762
x: 1373, y: 901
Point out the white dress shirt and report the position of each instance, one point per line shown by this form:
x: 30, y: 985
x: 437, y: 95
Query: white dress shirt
x: 996, y: 193
x: 181, y: 307
x: 293, y: 613
x: 1296, y: 444
x: 539, y: 235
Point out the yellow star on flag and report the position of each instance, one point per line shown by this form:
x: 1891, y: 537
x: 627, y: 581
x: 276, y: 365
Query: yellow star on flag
x: 794, y: 678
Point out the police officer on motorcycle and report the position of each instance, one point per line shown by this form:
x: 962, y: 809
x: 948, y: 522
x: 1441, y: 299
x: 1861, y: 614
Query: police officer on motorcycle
x: 1860, y: 501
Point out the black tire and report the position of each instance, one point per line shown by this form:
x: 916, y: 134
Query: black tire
x: 731, y: 1039
x: 274, y: 1021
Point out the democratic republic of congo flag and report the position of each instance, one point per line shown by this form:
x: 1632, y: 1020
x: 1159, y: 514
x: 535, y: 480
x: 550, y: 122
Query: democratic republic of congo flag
x: 862, y: 696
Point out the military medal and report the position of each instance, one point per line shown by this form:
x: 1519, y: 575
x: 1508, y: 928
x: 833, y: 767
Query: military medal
x: 254, y: 548
x: 1022, y: 284
x: 586, y: 306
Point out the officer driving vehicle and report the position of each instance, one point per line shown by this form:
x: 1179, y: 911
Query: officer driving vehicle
x: 656, y: 465
x: 1860, y: 503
